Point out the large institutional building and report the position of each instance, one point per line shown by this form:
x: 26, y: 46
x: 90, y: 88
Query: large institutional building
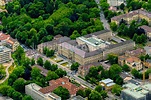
x: 133, y: 15
x: 89, y: 48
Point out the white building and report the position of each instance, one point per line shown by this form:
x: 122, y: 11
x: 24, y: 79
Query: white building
x: 33, y: 90
x: 115, y: 2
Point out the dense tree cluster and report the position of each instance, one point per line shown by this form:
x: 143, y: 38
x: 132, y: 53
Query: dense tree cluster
x: 36, y: 21
x: 98, y: 73
x: 137, y: 4
x: 74, y: 66
x: 107, y: 13
x: 113, y: 58
x: 48, y: 53
x: 11, y: 92
x: 62, y: 92
x: 97, y: 94
x: 132, y: 31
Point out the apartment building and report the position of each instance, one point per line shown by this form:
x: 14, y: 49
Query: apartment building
x: 133, y: 15
x: 5, y: 54
x: 33, y: 90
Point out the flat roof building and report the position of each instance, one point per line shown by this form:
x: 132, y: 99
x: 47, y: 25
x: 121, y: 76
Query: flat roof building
x: 136, y: 92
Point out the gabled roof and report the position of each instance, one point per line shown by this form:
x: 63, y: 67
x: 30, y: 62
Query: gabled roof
x: 64, y: 82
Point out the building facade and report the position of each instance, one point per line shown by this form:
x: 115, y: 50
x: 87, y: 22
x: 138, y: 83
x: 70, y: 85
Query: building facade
x: 134, y: 63
x: 89, y: 48
x: 107, y: 84
x: 5, y: 54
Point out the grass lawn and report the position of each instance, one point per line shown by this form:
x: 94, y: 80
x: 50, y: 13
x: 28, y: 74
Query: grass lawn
x: 65, y: 64
x: 60, y: 60
x: 11, y: 68
x: 53, y: 57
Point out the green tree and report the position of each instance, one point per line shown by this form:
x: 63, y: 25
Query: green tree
x: 40, y: 61
x: 113, y: 59
x: 3, y: 89
x: 61, y: 72
x: 19, y: 85
x: 98, y: 88
x: 87, y: 92
x: 62, y: 92
x: 32, y: 61
x: 116, y: 89
x: 94, y: 96
x: 122, y: 6
x: 113, y: 26
x: 47, y: 65
x: 125, y: 68
x: 51, y: 75
x: 81, y: 93
x: 114, y: 70
x: 35, y: 73
x: 103, y: 94
x: 135, y: 73
x: 27, y: 97
x: 75, y: 66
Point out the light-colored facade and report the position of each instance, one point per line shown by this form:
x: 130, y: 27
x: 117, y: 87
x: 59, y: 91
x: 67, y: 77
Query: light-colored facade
x: 134, y: 62
x: 115, y: 2
x: 136, y: 92
x: 107, y: 84
x: 5, y: 54
x: 89, y: 48
x: 33, y: 90
x: 133, y: 15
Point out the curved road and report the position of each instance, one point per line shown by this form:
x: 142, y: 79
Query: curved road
x: 7, y: 73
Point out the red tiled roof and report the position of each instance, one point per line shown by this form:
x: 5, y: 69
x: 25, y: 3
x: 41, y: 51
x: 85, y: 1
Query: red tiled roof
x: 132, y: 59
x: 4, y: 36
x: 64, y: 82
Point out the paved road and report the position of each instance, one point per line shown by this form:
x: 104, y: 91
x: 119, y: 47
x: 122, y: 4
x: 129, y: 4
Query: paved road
x: 102, y: 17
x: 7, y: 73
x: 69, y: 72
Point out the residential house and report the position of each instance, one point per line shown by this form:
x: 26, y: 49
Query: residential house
x: 8, y: 41
x: 115, y: 2
x: 121, y: 60
x: 64, y: 82
x: 134, y: 62
x: 107, y: 84
x: 33, y: 90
